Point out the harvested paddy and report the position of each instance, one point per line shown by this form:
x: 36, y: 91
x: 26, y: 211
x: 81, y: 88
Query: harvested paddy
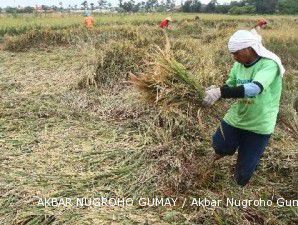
x: 67, y: 133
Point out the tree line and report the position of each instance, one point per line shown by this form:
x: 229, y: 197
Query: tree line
x: 243, y: 7
x: 190, y: 6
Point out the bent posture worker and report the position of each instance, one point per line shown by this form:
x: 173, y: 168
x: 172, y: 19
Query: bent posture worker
x: 256, y: 81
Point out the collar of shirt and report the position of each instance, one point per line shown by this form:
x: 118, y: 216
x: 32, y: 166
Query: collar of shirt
x: 252, y: 63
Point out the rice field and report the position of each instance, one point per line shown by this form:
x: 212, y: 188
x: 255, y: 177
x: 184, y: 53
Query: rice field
x: 77, y: 126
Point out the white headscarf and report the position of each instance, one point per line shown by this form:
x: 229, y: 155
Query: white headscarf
x: 255, y: 32
x: 243, y: 39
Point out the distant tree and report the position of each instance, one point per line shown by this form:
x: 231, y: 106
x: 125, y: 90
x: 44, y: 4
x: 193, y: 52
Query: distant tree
x: 288, y: 6
x: 241, y: 3
x: 211, y: 6
x: 127, y: 6
x: 191, y: 6
x: 61, y: 5
x: 45, y: 7
x: 223, y: 8
x: 137, y: 7
x: 143, y: 6
x: 243, y: 6
x: 85, y: 4
x: 29, y: 9
x: 92, y: 6
x: 196, y: 6
x: 102, y: 4
x: 238, y: 10
x: 262, y: 6
x: 151, y: 5
x: 161, y: 7
x: 266, y: 6
x: 11, y: 9
x: 170, y: 5
x: 130, y: 6
x: 53, y: 7
x: 186, y: 7
x: 14, y: 10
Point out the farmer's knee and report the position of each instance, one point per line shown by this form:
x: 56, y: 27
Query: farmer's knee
x: 222, y: 146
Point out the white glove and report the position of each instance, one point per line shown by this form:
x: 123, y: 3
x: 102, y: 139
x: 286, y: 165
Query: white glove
x: 212, y: 94
x: 210, y: 87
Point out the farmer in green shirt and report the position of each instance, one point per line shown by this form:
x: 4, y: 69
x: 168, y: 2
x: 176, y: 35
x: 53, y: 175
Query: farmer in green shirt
x: 255, y: 81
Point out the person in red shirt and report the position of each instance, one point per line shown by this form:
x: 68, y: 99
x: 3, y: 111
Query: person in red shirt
x: 165, y: 23
x: 261, y: 24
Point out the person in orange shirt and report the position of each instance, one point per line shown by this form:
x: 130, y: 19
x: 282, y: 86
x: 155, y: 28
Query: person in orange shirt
x: 89, y: 21
x: 165, y: 23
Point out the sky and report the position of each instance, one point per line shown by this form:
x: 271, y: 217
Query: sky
x: 4, y: 3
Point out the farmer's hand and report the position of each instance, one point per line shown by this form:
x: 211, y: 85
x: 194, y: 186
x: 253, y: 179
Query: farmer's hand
x: 212, y: 94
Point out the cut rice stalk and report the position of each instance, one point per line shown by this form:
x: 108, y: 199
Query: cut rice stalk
x: 167, y: 82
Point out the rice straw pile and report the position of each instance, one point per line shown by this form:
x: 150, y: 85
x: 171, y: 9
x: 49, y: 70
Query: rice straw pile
x: 166, y: 82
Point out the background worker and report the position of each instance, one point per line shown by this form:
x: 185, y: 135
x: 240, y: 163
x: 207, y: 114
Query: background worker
x: 255, y: 80
x: 89, y: 21
x: 165, y: 23
x: 261, y: 24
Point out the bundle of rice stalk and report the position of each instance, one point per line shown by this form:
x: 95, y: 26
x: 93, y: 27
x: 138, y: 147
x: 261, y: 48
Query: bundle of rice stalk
x: 167, y: 82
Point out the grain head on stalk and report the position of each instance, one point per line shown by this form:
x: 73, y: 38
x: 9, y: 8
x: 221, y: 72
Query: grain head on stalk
x: 166, y: 81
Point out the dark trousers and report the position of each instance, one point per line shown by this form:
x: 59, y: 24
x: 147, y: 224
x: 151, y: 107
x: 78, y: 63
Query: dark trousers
x: 227, y: 139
